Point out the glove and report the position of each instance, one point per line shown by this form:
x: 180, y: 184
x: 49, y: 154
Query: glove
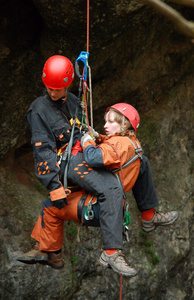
x: 86, y: 137
x: 94, y: 132
x: 59, y: 203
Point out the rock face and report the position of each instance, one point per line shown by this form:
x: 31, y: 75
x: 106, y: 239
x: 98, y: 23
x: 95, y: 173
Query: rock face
x: 137, y: 57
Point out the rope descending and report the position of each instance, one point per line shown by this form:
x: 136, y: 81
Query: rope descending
x: 87, y: 91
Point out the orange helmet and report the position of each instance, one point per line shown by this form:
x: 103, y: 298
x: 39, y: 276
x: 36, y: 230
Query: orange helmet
x: 129, y: 112
x: 58, y: 72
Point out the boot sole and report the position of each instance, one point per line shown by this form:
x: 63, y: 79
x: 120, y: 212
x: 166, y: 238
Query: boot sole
x: 30, y: 260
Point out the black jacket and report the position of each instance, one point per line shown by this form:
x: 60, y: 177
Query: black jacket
x: 49, y: 124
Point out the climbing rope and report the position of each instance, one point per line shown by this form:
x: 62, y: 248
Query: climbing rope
x: 88, y: 24
x: 84, y: 56
x: 121, y: 285
x: 90, y: 76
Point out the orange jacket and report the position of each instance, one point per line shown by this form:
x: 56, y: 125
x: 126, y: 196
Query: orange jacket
x: 116, y: 151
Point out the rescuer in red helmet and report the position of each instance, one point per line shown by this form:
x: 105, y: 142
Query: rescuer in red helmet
x: 58, y: 72
x: 49, y: 119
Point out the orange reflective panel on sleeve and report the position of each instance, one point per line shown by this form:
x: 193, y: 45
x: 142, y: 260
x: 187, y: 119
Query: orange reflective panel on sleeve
x: 43, y: 168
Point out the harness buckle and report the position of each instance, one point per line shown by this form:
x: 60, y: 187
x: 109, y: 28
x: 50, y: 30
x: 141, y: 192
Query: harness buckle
x: 77, y: 122
x: 127, y: 219
x: 139, y: 151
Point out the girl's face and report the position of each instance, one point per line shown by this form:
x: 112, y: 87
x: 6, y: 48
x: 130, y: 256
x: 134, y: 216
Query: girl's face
x: 111, y: 126
x: 56, y: 94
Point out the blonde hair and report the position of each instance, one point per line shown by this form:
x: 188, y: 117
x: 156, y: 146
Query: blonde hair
x: 126, y: 127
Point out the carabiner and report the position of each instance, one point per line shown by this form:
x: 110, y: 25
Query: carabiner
x: 89, y: 213
x: 84, y: 58
x: 127, y: 219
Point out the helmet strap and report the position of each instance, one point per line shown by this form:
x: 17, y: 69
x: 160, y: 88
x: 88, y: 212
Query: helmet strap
x: 65, y: 97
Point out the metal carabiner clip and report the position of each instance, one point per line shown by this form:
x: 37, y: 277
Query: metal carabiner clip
x: 89, y: 214
x: 84, y: 58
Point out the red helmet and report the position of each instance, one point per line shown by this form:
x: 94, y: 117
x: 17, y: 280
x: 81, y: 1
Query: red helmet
x: 58, y: 72
x: 129, y: 112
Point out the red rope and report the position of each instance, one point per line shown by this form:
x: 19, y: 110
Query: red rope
x: 88, y: 15
x: 84, y: 88
x: 121, y: 281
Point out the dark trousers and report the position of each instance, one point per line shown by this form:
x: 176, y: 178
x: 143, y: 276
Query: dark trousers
x: 103, y: 184
x: 144, y: 190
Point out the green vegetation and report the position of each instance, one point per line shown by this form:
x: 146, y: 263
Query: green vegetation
x: 155, y: 260
x: 74, y: 277
x: 148, y: 250
x: 74, y: 259
x: 72, y: 230
x: 143, y: 234
x: 148, y: 243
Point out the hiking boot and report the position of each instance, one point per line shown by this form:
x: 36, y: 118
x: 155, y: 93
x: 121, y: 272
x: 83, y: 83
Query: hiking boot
x: 56, y: 260
x: 159, y: 219
x: 33, y: 256
x: 118, y: 262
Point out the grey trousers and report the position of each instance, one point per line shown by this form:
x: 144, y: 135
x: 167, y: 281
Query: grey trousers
x: 103, y: 184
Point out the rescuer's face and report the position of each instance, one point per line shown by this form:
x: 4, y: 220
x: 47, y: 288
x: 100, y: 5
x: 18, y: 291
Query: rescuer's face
x: 56, y: 94
x: 111, y: 126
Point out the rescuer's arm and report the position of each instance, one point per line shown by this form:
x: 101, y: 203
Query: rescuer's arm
x: 45, y: 156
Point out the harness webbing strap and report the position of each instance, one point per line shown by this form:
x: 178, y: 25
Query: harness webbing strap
x: 67, y: 154
x: 121, y: 184
x: 81, y: 205
x: 127, y: 163
x: 138, y: 150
